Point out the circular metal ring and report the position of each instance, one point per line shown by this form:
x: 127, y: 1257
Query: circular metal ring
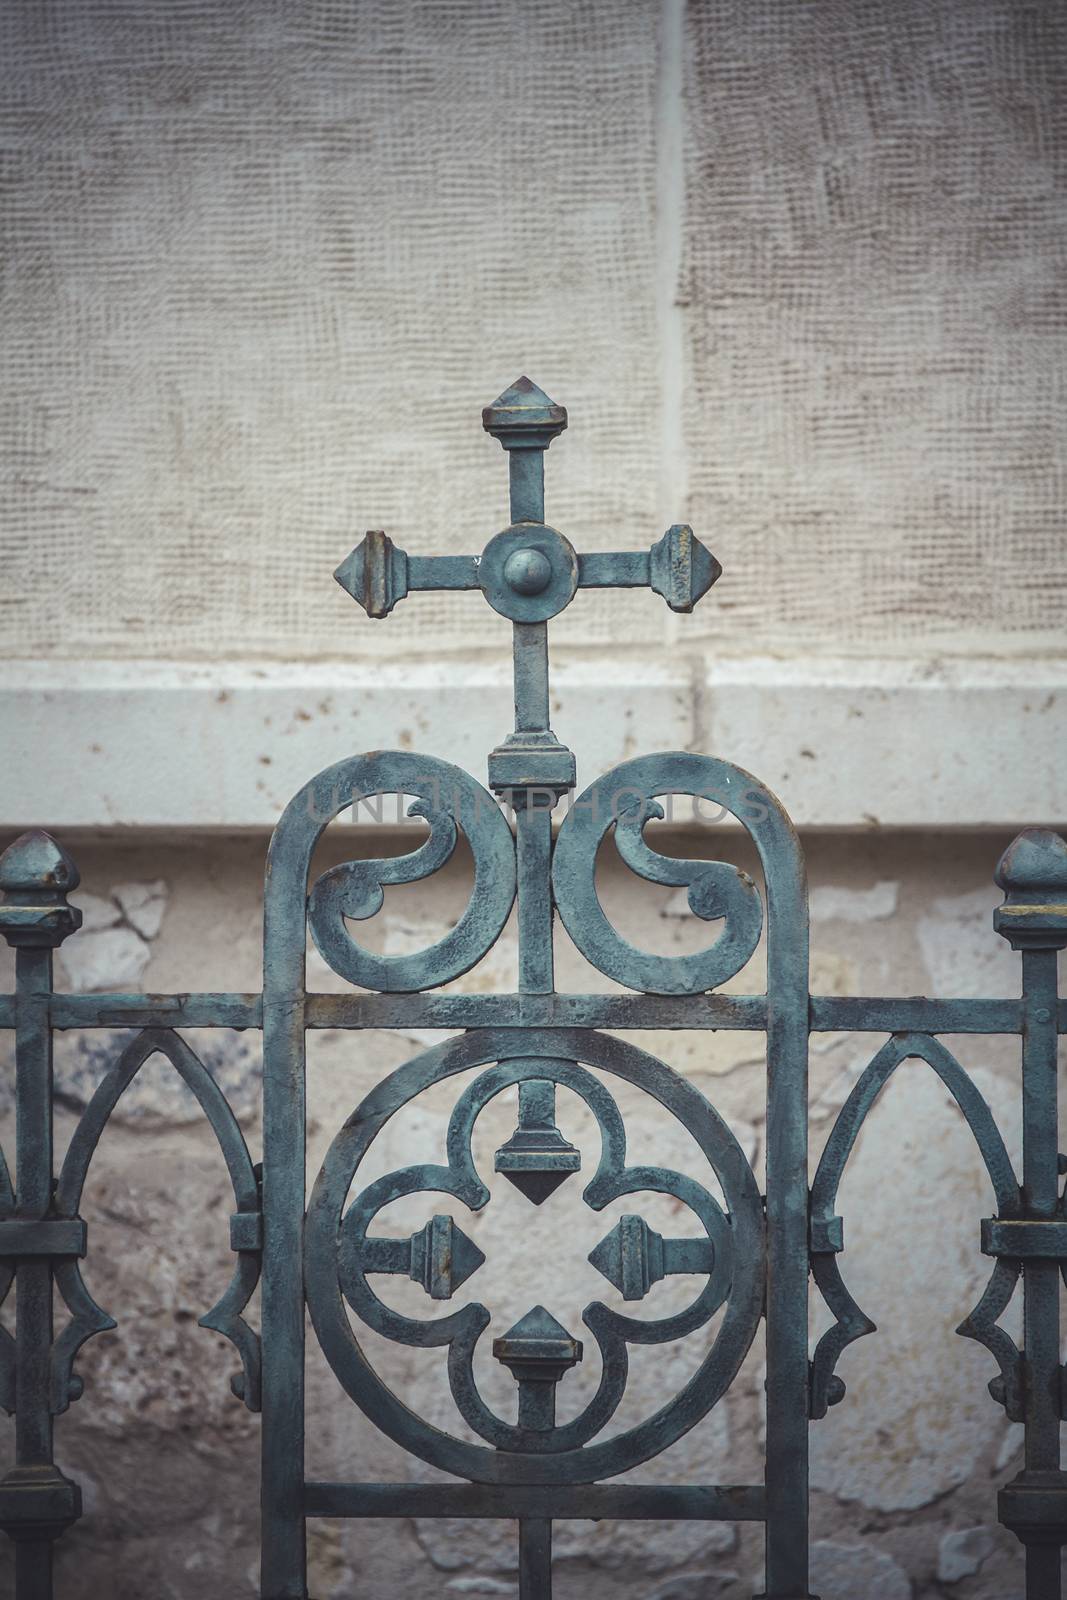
x: 566, y: 1457
x: 529, y: 572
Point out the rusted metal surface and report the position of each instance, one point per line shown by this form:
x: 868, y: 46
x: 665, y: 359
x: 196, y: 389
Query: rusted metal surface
x: 752, y: 1257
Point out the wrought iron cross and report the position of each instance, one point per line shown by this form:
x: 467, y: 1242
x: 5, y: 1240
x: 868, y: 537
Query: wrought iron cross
x: 529, y: 573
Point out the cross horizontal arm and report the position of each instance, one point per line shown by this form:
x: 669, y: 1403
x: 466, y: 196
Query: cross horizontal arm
x: 442, y: 572
x: 378, y: 573
x: 679, y: 569
x: 614, y: 569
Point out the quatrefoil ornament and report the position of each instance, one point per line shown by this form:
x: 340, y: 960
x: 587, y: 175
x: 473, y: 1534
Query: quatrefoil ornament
x: 726, y: 1261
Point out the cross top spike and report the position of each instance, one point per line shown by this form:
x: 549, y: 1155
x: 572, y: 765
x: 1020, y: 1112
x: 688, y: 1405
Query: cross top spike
x: 524, y: 418
x: 530, y: 571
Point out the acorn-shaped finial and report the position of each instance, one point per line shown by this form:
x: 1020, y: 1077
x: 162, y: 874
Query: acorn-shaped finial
x: 1033, y: 874
x: 36, y: 875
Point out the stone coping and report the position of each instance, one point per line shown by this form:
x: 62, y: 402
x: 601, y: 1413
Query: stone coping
x: 846, y: 743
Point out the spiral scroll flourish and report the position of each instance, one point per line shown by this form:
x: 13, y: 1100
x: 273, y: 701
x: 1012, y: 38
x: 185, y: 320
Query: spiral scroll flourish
x: 339, y: 1255
x: 448, y: 799
x: 625, y: 798
x: 850, y: 1323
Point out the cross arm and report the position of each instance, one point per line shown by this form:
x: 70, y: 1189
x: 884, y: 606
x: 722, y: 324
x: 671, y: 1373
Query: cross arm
x: 678, y: 568
x: 378, y: 573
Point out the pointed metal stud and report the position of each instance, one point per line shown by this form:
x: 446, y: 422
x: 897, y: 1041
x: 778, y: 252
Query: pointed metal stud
x: 375, y: 574
x: 439, y: 1256
x: 524, y: 418
x: 537, y: 1158
x: 634, y: 1256
x: 680, y: 569
x: 36, y: 875
x: 538, y: 1351
x: 1033, y: 874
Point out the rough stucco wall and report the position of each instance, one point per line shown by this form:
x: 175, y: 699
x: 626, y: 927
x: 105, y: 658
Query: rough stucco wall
x: 913, y: 1456
x: 265, y: 263
x: 874, y: 270
x: 269, y: 264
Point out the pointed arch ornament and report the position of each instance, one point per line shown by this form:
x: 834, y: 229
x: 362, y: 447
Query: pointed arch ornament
x: 747, y: 1254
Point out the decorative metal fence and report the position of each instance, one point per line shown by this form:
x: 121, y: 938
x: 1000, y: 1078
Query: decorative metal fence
x: 753, y: 1257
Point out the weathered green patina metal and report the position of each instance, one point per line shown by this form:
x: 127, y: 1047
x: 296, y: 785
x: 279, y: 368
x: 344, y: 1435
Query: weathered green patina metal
x: 754, y: 1254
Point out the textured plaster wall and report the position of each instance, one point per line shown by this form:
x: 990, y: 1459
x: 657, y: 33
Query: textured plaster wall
x: 796, y: 269
x: 905, y: 1467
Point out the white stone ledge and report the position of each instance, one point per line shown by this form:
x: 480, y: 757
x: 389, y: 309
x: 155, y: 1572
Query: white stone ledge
x: 898, y: 744
x: 843, y: 743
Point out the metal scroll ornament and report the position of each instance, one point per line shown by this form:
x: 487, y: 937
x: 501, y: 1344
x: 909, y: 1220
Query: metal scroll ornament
x: 626, y: 799
x: 449, y: 802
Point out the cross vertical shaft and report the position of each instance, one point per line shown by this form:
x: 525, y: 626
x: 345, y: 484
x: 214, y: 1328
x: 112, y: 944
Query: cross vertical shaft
x: 532, y: 767
x: 527, y: 474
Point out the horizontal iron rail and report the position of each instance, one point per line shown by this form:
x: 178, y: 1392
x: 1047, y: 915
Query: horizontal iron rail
x: 571, y: 1502
x: 828, y: 1013
x: 151, y: 1011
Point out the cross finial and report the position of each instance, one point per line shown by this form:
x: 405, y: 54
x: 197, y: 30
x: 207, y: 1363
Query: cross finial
x: 530, y: 572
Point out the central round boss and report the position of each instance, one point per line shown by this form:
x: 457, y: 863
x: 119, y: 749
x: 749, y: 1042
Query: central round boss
x: 529, y: 572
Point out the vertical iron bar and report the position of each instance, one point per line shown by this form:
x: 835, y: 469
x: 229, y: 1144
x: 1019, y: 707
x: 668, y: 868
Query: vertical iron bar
x: 1041, y: 1279
x: 533, y: 820
x: 535, y: 1558
x: 787, y: 1237
x: 33, y: 1280
x: 526, y: 473
x: 1044, y: 1577
x: 537, y: 1406
x: 1040, y: 1149
x: 533, y: 838
x: 283, y: 1532
x: 537, y: 1103
x: 33, y: 1073
x: 1033, y: 918
x: 533, y: 809
x: 530, y: 657
x: 36, y: 1501
x: 533, y: 848
x: 33, y: 1569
